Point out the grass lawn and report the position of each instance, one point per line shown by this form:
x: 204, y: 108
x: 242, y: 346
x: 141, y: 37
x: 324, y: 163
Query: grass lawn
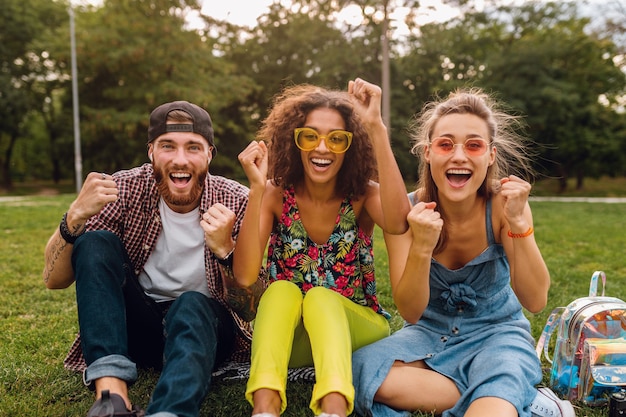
x: 38, y: 325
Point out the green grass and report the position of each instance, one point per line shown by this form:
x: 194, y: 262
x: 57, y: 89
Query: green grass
x: 38, y: 325
x: 592, y: 187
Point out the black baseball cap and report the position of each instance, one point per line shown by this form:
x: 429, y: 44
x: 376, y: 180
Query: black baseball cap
x: 201, y: 125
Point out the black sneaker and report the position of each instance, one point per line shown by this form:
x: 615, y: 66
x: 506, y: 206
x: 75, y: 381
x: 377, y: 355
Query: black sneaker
x: 112, y: 405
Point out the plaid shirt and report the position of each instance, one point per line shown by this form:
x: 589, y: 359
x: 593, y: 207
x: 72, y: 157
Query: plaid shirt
x: 135, y: 218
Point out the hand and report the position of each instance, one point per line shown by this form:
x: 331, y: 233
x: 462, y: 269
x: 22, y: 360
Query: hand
x: 515, y: 192
x: 366, y: 99
x: 253, y: 159
x: 98, y: 190
x: 217, y: 223
x: 425, y: 224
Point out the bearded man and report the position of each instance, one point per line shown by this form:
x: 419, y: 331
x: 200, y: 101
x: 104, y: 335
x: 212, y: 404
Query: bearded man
x: 148, y: 248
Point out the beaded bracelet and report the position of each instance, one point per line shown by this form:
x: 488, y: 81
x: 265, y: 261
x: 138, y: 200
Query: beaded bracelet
x: 519, y: 235
x: 66, y: 234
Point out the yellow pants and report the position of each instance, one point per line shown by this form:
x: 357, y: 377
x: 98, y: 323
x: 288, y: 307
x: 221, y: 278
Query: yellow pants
x: 321, y: 328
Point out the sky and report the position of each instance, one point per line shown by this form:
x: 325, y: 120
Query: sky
x: 239, y: 12
x: 245, y: 12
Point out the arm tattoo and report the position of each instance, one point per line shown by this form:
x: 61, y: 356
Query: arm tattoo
x: 76, y: 228
x: 243, y: 300
x: 57, y: 248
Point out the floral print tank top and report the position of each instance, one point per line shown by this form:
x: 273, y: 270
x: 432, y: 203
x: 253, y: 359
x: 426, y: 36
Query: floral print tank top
x: 345, y: 263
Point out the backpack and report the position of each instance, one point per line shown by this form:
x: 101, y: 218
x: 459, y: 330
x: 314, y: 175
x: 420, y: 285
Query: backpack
x: 589, y: 359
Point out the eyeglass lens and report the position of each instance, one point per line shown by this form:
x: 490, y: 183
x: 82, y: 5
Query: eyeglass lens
x: 337, y: 141
x: 471, y: 147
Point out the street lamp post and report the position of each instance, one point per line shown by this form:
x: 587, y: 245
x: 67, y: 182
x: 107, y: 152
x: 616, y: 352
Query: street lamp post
x: 78, y: 159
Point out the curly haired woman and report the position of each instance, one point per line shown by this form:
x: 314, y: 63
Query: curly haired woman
x: 332, y: 178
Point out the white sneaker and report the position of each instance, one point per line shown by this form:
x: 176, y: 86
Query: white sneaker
x: 327, y: 415
x: 547, y: 404
x: 263, y: 415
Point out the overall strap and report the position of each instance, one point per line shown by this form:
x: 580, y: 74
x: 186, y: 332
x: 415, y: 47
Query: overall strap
x: 490, y: 237
x: 413, y: 198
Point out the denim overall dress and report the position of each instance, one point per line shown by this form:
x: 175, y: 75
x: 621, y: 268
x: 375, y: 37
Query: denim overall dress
x: 473, y: 331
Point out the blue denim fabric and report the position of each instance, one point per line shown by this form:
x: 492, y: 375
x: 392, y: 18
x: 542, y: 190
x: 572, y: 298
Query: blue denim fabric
x: 472, y: 317
x: 120, y: 326
x: 102, y: 271
x: 193, y: 326
x: 111, y: 365
x: 381, y: 410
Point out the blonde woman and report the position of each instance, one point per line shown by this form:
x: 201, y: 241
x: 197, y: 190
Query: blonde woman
x: 460, y: 277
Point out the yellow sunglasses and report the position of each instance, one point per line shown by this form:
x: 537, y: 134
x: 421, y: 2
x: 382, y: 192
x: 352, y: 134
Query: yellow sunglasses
x: 307, y: 139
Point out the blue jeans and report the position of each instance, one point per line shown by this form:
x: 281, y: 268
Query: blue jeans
x: 120, y: 327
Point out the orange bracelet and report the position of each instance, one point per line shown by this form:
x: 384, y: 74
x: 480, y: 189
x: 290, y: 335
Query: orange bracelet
x: 527, y: 233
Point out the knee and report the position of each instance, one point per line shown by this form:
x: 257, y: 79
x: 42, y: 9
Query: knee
x: 97, y: 237
x: 318, y: 294
x: 283, y: 285
x: 193, y: 303
x: 282, y: 300
x: 319, y: 298
x: 282, y: 290
x: 95, y: 243
x: 99, y: 247
x: 193, y: 311
x: 192, y: 297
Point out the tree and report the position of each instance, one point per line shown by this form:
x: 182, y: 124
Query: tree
x: 308, y: 44
x: 134, y: 55
x: 542, y: 58
x: 440, y: 57
x: 293, y: 47
x: 556, y: 73
x: 20, y: 73
x: 539, y: 59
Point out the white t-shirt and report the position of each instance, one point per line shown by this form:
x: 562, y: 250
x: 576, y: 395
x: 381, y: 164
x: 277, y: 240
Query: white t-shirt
x: 177, y: 263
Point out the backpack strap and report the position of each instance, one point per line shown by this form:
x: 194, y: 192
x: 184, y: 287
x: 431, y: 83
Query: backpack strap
x: 544, y: 340
x: 593, y: 285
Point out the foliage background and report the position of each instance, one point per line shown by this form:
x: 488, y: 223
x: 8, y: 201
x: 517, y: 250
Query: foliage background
x: 560, y: 64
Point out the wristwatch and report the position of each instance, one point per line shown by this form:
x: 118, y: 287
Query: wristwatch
x: 226, y: 260
x: 66, y: 234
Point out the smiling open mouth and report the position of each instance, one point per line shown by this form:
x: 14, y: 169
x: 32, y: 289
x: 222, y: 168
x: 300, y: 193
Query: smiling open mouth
x: 458, y: 176
x: 180, y: 178
x: 321, y: 162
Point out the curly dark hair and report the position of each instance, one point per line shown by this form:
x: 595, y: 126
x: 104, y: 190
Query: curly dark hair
x: 289, y: 111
